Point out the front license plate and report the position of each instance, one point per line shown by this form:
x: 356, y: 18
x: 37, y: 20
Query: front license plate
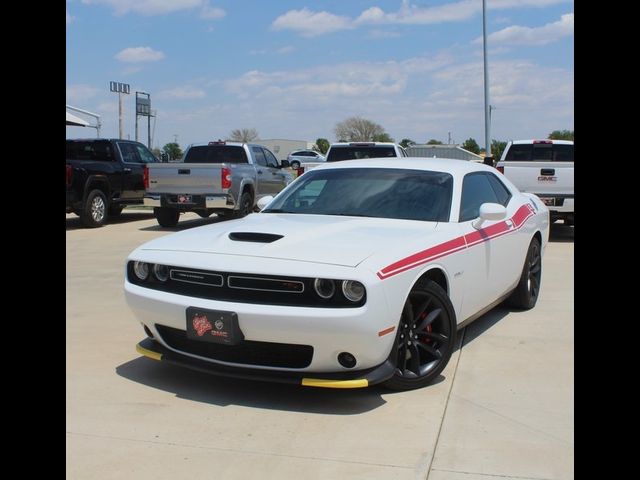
x: 184, y: 198
x: 550, y: 202
x: 213, y: 326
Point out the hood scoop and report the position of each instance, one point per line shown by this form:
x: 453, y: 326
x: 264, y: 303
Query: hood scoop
x: 254, y: 237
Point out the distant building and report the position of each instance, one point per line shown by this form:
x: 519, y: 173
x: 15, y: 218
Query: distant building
x: 282, y: 147
x: 443, y: 151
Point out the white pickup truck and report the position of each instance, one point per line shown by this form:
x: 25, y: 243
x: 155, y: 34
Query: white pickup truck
x: 545, y: 168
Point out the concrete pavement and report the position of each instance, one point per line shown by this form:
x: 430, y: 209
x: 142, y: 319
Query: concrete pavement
x: 502, y: 408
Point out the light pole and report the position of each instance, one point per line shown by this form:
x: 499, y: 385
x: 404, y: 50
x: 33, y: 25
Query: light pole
x: 120, y: 88
x: 487, y: 112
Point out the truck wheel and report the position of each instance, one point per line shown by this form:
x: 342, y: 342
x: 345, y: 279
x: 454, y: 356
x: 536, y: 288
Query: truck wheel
x: 166, y: 217
x: 115, y: 210
x: 94, y: 213
x: 203, y: 213
x: 246, y: 205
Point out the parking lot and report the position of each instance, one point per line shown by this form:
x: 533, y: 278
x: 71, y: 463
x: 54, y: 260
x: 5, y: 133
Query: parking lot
x: 503, y: 407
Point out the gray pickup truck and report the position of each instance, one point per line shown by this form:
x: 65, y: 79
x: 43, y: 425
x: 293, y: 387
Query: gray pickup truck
x: 226, y: 178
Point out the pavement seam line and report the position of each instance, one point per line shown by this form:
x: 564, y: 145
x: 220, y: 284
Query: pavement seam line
x: 254, y: 452
x: 446, y: 406
x: 494, y: 475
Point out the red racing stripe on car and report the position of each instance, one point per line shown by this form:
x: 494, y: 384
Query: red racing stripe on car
x: 459, y: 243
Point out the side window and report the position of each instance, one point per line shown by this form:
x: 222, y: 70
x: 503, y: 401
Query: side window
x: 272, y: 161
x: 502, y: 193
x: 129, y: 153
x: 145, y: 155
x: 476, y: 190
x: 259, y: 156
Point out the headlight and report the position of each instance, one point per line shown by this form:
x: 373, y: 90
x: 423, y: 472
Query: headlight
x: 324, y: 288
x: 141, y: 269
x: 352, y: 290
x: 161, y: 272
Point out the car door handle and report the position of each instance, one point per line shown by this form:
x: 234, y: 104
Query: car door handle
x: 184, y: 171
x: 547, y: 171
x: 126, y: 170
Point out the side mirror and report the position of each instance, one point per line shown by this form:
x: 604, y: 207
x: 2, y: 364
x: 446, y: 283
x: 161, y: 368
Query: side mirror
x: 488, y: 212
x: 264, y: 201
x: 284, y: 164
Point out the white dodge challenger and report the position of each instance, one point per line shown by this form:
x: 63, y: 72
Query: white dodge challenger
x: 359, y: 272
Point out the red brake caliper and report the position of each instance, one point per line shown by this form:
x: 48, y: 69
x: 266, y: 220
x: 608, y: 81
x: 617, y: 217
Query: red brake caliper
x: 428, y: 328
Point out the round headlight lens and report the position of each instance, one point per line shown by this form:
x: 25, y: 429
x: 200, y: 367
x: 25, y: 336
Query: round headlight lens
x: 161, y: 272
x: 353, y: 290
x: 324, y: 288
x: 141, y: 269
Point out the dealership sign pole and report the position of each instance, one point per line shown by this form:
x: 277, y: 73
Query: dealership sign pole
x: 119, y: 88
x: 143, y: 109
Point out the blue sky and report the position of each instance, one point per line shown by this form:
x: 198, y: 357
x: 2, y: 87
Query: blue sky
x: 293, y: 69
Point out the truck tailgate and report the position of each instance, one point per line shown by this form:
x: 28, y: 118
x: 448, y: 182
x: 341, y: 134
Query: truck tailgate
x: 194, y: 178
x: 541, y: 177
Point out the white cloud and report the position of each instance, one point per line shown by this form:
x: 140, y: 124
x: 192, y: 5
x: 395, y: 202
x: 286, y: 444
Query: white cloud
x: 139, y: 54
x: 149, y: 7
x: 182, y: 93
x: 379, y: 33
x: 518, y: 35
x: 81, y: 92
x: 70, y: 18
x: 212, y: 13
x: 309, y: 24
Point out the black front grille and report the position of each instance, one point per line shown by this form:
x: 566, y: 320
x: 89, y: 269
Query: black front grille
x: 247, y: 352
x: 244, y: 287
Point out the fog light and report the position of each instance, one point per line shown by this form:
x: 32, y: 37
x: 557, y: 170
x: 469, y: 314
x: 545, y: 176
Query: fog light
x: 347, y: 360
x: 161, y: 272
x: 352, y: 290
x: 141, y: 269
x: 324, y: 288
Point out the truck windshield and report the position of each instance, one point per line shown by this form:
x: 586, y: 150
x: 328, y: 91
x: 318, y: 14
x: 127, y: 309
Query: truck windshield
x: 216, y: 154
x: 540, y: 152
x: 370, y: 192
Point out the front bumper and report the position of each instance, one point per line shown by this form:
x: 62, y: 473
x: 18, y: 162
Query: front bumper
x: 351, y: 379
x: 199, y: 201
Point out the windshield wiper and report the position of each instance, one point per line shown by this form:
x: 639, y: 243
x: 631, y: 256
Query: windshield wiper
x: 348, y: 214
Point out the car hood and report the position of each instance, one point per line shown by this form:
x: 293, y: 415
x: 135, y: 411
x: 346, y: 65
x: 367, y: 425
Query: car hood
x: 335, y: 240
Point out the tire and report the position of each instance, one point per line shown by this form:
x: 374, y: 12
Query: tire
x: 427, y: 316
x: 246, y: 205
x: 166, y: 217
x: 295, y: 164
x: 94, y: 214
x: 527, y: 291
x: 115, y: 210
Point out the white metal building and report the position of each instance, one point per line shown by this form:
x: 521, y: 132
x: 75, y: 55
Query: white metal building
x: 282, y: 147
x: 442, y: 151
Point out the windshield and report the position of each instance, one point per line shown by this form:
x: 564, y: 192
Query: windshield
x: 216, y: 154
x: 354, y: 152
x: 370, y: 192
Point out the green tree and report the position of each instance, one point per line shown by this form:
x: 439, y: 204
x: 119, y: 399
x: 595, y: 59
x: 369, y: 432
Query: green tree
x: 497, y: 147
x: 433, y: 141
x: 471, y: 145
x: 173, y: 150
x: 382, y: 137
x: 357, y: 129
x: 407, y: 142
x: 244, y: 135
x: 561, y: 135
x: 322, y: 145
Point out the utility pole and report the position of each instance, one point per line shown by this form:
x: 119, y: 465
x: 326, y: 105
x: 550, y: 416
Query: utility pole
x: 487, y: 115
x: 120, y: 88
x: 175, y: 138
x: 449, y: 140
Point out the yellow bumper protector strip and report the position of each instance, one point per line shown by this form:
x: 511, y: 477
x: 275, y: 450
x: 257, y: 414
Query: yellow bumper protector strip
x: 148, y: 353
x: 318, y: 382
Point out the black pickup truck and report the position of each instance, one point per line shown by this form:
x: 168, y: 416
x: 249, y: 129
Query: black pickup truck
x: 104, y: 175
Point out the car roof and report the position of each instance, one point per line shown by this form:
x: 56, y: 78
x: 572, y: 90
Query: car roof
x: 448, y: 165
x: 363, y: 144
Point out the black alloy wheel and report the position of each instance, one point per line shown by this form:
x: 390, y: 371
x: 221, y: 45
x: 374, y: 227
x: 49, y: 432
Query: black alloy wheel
x: 425, y: 339
x: 526, y: 293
